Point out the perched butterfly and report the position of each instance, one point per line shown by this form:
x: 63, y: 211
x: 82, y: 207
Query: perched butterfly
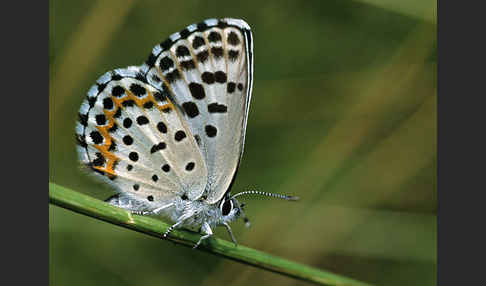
x: 169, y: 135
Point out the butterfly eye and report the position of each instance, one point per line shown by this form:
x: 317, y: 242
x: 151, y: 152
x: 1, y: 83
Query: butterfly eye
x: 226, y: 207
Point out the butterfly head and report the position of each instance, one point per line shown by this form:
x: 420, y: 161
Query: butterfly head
x: 231, y: 208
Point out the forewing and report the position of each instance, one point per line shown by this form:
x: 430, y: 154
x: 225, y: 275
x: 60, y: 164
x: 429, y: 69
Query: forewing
x: 207, y: 69
x: 133, y: 137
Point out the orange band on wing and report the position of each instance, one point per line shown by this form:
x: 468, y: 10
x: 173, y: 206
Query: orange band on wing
x: 111, y: 159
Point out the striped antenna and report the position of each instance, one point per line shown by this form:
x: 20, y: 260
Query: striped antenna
x: 285, y: 197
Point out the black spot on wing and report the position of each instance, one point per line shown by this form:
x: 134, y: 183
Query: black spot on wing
x: 191, y: 109
x: 148, y: 105
x: 128, y: 103
x: 142, y: 120
x: 108, y: 103
x: 208, y: 77
x: 230, y: 88
x: 162, y: 127
x: 233, y: 39
x: 127, y: 122
x: 233, y: 55
x: 211, y: 131
x: 188, y: 65
x: 179, y: 135
x: 166, y: 168
x: 173, y: 76
x: 190, y: 166
x: 202, y: 56
x: 96, y: 137
x: 220, y: 77
x: 197, y: 90
x: 158, y: 147
x: 217, y: 108
x: 133, y: 156
x: 100, y: 119
x: 214, y: 37
x: 137, y: 89
x: 197, y: 42
x: 217, y: 52
x: 117, y: 91
x: 182, y: 51
x: 127, y: 140
x: 166, y: 63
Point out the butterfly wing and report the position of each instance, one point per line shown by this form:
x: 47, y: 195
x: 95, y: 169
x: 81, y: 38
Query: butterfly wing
x: 131, y: 135
x: 207, y: 68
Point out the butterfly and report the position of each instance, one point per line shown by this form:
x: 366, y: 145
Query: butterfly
x: 169, y: 135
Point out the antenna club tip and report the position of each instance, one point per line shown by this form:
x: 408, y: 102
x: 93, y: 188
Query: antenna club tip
x: 293, y: 198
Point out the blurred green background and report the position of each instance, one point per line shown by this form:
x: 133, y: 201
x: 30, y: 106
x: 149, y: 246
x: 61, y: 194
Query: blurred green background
x: 343, y: 114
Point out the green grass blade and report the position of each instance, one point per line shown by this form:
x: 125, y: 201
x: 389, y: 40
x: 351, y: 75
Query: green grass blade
x: 98, y: 209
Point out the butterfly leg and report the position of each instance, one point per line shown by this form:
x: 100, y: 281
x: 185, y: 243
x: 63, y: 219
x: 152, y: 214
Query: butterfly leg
x: 172, y: 227
x: 231, y: 233
x: 134, y: 206
x: 179, y: 222
x: 207, y: 231
x: 138, y: 212
x: 143, y: 212
x: 152, y: 212
x: 157, y: 210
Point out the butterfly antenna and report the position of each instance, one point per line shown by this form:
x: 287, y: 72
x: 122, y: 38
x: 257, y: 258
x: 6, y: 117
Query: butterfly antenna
x: 285, y: 197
